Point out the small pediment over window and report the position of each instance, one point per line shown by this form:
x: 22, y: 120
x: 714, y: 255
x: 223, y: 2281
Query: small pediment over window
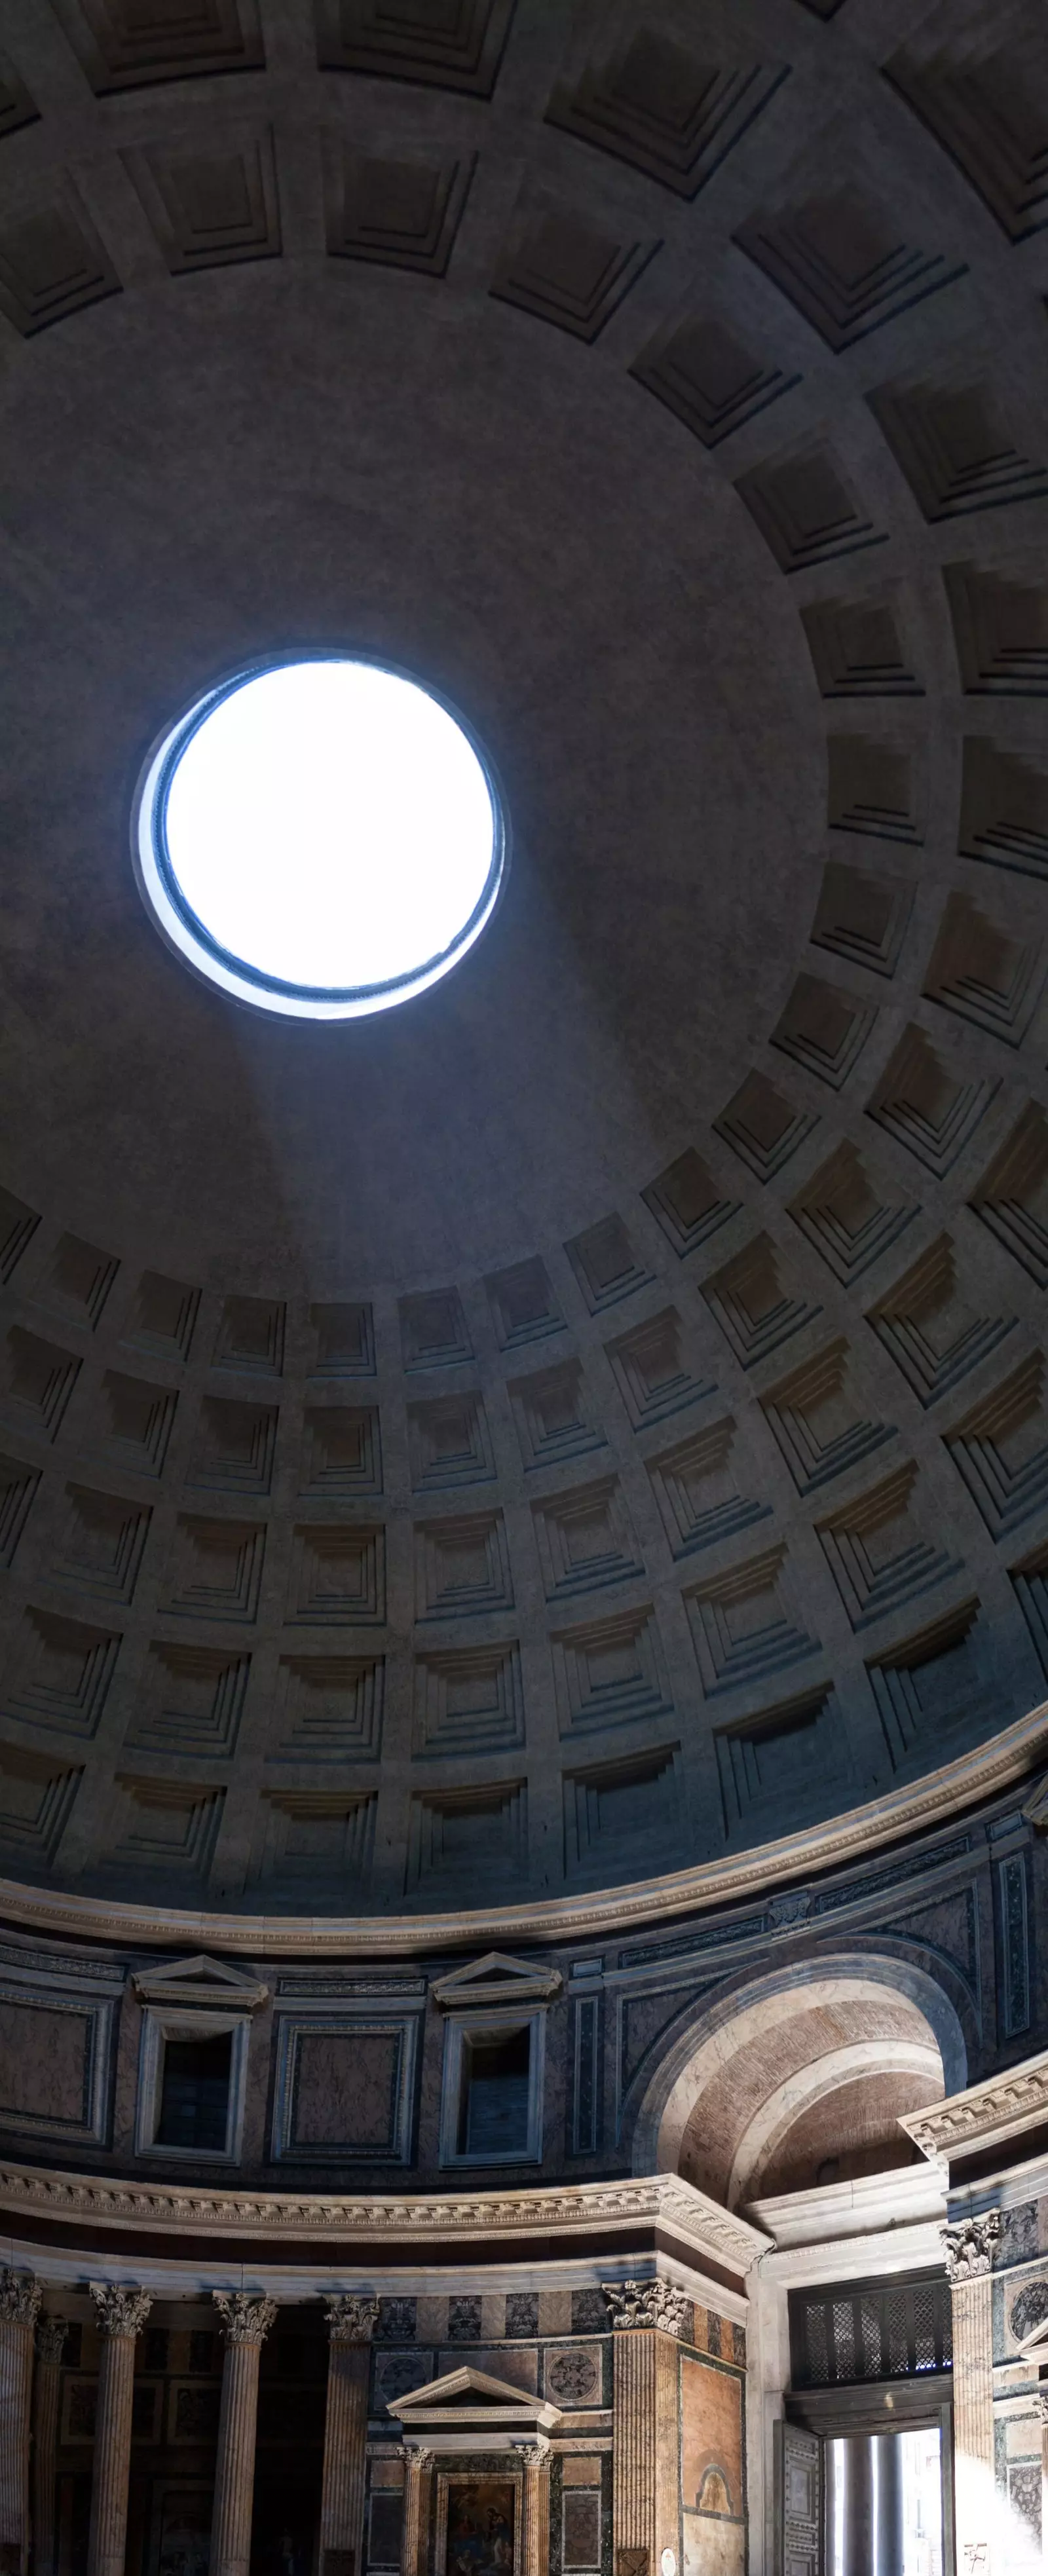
x: 496, y: 1979
x: 469, y: 2396
x: 200, y: 1981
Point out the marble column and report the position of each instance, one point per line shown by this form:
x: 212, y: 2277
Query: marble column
x: 887, y: 2492
x: 859, y: 2471
x: 247, y: 2322
x: 1041, y: 2411
x: 51, y: 2333
x: 969, y: 2250
x: 351, y: 2322
x: 418, y: 2464
x: 535, y: 2551
x: 19, y: 2301
x: 647, y: 2316
x: 119, y: 2317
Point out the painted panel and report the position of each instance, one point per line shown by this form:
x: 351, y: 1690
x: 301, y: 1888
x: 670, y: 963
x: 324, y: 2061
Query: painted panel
x: 712, y: 2476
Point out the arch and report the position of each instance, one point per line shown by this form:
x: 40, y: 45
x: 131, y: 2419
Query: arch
x: 874, y: 2006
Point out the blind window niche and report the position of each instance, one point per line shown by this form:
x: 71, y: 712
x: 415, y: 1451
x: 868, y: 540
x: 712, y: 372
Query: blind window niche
x: 494, y: 2111
x: 194, y: 2092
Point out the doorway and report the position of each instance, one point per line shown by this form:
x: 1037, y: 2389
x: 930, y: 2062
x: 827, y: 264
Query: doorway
x: 883, y: 2503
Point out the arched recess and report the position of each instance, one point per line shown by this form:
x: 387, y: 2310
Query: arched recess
x: 811, y: 2046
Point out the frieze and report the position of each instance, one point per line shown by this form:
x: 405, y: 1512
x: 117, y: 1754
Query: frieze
x: 581, y: 2207
x: 1001, y: 2105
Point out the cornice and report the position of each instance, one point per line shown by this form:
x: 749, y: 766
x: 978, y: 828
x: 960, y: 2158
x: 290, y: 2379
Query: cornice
x: 591, y: 2208
x: 1002, y: 2107
x: 981, y: 1774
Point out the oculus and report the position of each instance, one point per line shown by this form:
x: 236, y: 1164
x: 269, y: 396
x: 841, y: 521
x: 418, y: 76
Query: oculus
x: 320, y: 836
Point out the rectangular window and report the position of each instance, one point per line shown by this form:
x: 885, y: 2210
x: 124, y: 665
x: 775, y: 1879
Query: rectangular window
x: 194, y: 2093
x: 495, y: 2077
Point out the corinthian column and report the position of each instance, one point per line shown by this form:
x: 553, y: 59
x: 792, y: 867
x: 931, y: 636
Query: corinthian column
x: 535, y: 2554
x: 19, y: 2301
x: 50, y: 2341
x: 647, y: 2317
x: 969, y: 2258
x: 417, y: 2466
x: 247, y: 2323
x: 119, y: 2317
x: 350, y: 2325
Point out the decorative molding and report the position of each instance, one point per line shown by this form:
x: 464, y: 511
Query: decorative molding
x: 920, y: 1806
x: 650, y: 2303
x: 495, y: 1979
x: 998, y: 2109
x: 199, y: 1981
x: 351, y: 2319
x: 969, y: 2246
x: 119, y: 2312
x: 245, y: 2319
x: 20, y: 2296
x: 714, y: 2234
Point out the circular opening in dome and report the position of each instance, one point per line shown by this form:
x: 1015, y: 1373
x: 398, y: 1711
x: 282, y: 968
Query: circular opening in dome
x: 320, y: 836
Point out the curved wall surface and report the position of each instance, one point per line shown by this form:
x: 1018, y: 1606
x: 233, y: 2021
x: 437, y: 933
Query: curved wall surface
x: 593, y: 1422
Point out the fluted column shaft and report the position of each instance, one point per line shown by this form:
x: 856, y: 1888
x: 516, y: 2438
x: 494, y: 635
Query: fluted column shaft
x: 19, y: 2301
x: 120, y: 2316
x: 646, y: 2511
x: 350, y: 2323
x: 535, y: 2553
x: 50, y: 2340
x: 247, y: 2321
x: 969, y: 2256
x: 417, y: 2466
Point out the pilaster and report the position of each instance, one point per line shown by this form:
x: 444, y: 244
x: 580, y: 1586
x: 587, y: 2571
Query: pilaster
x: 418, y: 2481
x: 19, y: 2301
x: 51, y: 2333
x: 647, y: 2317
x: 351, y: 2323
x: 969, y: 2260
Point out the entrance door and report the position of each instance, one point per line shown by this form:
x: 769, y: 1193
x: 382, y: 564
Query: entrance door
x: 883, y: 2503
x: 799, y: 2506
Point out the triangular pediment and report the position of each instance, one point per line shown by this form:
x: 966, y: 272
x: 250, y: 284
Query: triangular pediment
x: 201, y: 1981
x: 466, y: 2395
x: 1038, y: 2336
x: 497, y: 1979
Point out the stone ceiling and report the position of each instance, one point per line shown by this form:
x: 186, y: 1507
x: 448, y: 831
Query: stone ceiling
x: 595, y: 1414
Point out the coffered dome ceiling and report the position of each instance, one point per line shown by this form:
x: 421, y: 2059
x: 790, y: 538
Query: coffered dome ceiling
x: 595, y: 1415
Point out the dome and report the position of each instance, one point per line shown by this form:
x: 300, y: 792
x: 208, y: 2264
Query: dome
x: 589, y: 1422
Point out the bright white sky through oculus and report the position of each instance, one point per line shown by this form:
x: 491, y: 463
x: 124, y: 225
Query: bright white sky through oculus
x: 330, y: 825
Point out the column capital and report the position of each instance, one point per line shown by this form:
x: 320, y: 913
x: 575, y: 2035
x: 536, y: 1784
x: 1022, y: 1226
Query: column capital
x: 20, y: 2296
x: 246, y: 2319
x: 351, y: 2319
x: 119, y: 2312
x: 649, y: 2303
x: 969, y: 2245
x: 51, y: 2333
x: 1040, y: 2405
x: 415, y: 2455
x: 535, y: 2452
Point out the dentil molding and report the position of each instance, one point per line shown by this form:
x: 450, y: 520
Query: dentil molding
x: 578, y: 2209
x: 999, y: 2108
